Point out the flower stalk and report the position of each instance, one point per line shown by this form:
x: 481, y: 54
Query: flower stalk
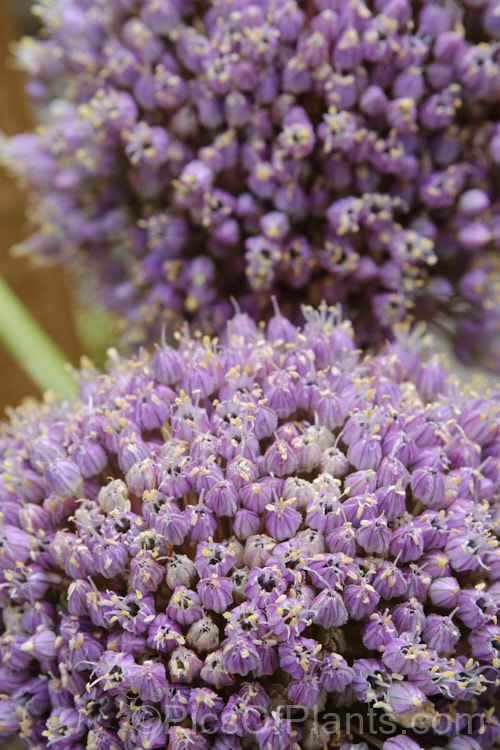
x: 34, y: 351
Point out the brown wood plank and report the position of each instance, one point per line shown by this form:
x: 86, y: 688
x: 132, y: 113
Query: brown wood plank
x: 43, y: 290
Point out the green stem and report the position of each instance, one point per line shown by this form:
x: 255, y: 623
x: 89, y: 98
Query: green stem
x: 31, y: 347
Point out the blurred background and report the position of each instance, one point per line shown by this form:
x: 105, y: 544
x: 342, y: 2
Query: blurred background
x: 47, y: 292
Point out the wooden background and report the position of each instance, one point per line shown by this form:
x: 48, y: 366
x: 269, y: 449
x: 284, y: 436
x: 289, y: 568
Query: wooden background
x: 44, y: 291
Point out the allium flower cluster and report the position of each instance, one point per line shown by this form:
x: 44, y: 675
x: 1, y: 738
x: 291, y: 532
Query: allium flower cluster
x: 222, y: 545
x: 336, y: 149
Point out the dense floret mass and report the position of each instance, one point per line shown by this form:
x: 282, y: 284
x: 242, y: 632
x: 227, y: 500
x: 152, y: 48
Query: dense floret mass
x: 226, y: 545
x: 338, y: 149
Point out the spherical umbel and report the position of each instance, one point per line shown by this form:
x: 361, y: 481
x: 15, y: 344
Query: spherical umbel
x: 339, y: 150
x: 191, y: 548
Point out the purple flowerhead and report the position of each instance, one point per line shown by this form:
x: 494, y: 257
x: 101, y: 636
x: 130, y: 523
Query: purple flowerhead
x: 232, y: 554
x: 346, y: 151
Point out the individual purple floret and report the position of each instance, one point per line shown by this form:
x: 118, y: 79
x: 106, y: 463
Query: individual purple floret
x: 343, y: 150
x: 144, y: 615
